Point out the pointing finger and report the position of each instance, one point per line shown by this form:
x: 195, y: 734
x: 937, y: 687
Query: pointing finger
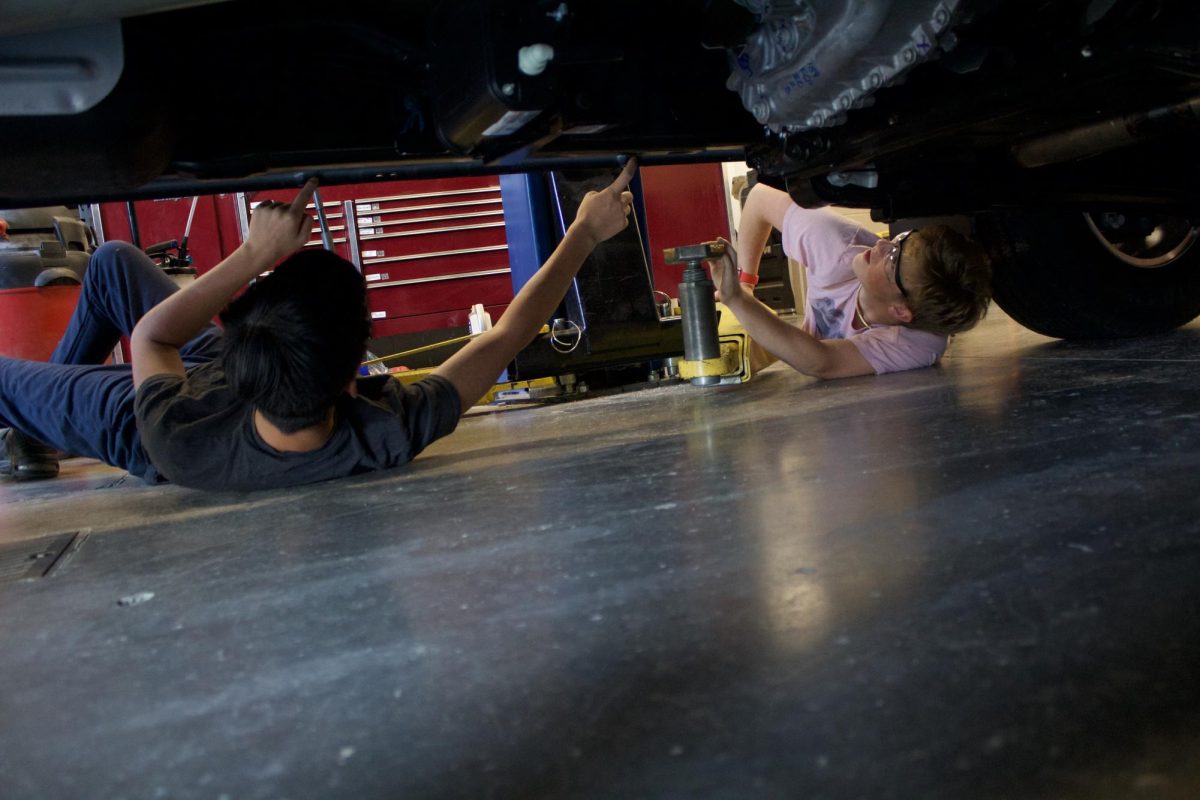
x: 305, y: 195
x: 625, y: 177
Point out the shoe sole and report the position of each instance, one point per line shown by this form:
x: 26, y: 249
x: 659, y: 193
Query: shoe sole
x: 30, y: 472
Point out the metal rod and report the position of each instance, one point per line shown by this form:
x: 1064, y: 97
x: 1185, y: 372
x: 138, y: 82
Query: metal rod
x: 243, y: 215
x: 134, y: 238
x: 1100, y: 137
x: 370, y: 173
x: 326, y: 234
x: 352, y: 233
x: 416, y: 350
x: 97, y: 223
x: 187, y: 228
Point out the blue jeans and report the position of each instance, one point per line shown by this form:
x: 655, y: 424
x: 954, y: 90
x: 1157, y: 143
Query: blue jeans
x: 75, y: 403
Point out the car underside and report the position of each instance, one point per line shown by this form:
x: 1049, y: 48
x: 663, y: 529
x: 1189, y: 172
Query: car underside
x: 1060, y: 133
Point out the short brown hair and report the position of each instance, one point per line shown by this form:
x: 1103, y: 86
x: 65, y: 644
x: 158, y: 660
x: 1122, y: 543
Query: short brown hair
x: 951, y: 292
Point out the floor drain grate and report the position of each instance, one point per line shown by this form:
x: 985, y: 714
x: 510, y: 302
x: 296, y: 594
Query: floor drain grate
x: 36, y: 558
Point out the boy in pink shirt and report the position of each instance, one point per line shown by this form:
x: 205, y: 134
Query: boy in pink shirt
x: 873, y: 305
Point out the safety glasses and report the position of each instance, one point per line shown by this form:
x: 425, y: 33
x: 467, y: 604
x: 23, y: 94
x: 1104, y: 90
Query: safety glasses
x: 894, y: 257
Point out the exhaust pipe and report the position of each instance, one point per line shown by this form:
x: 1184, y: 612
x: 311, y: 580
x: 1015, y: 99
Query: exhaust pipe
x: 1101, y: 137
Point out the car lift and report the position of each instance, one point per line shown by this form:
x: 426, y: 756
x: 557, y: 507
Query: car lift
x: 610, y: 330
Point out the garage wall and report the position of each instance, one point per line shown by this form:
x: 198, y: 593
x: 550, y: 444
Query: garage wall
x: 685, y: 204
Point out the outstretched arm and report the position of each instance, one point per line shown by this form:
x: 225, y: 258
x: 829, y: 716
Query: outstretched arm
x: 276, y: 229
x: 821, y: 358
x: 764, y: 210
x: 474, y: 369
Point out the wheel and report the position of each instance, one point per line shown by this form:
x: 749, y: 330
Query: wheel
x: 1094, y: 275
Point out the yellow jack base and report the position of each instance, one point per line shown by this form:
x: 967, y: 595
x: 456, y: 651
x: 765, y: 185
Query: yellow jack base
x: 736, y: 363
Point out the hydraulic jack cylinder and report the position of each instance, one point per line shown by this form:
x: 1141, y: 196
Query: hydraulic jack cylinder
x: 698, y: 310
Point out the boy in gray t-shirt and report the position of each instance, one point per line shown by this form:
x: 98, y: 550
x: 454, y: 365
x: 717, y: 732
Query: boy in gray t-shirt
x: 273, y: 400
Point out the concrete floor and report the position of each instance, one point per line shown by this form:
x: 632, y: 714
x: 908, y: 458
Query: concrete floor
x: 977, y: 581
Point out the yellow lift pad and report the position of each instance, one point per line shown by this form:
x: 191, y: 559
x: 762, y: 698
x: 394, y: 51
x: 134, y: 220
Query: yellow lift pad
x: 736, y: 364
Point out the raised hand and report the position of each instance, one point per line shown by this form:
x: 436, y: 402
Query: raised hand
x: 725, y: 274
x: 277, y: 228
x: 605, y: 213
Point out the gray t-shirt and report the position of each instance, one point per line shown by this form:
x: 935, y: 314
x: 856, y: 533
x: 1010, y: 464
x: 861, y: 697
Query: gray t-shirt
x: 198, y: 433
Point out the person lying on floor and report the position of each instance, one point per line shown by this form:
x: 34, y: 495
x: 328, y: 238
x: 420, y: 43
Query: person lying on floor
x: 872, y: 305
x: 273, y: 398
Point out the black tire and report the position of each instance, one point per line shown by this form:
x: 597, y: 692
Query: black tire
x: 1062, y: 273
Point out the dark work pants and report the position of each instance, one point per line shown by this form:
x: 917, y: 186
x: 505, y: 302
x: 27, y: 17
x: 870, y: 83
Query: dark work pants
x: 76, y: 403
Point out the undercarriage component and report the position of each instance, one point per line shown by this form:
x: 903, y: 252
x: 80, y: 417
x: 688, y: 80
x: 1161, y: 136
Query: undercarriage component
x: 59, y: 72
x: 811, y: 61
x: 1101, y: 137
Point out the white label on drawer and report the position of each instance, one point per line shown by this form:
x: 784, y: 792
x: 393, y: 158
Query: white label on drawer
x: 378, y: 315
x: 367, y: 220
x: 367, y: 207
x: 372, y: 253
x: 366, y: 231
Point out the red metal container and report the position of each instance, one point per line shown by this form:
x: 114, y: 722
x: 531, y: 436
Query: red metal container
x: 33, y: 320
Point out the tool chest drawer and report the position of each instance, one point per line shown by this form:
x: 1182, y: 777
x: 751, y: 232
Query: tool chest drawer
x: 428, y: 249
x: 431, y: 251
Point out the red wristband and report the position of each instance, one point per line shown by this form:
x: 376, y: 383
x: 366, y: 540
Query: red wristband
x: 747, y: 278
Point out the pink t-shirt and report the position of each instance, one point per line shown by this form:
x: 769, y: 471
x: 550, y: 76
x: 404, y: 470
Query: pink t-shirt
x: 826, y: 244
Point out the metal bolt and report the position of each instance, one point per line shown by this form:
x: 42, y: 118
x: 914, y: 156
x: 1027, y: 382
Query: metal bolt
x: 786, y: 39
x: 1086, y: 52
x: 508, y: 89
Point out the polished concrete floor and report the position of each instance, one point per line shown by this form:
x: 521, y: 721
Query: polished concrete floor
x: 976, y: 581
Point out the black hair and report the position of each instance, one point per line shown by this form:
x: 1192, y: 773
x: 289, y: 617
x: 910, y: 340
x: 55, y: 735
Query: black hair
x: 295, y: 339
